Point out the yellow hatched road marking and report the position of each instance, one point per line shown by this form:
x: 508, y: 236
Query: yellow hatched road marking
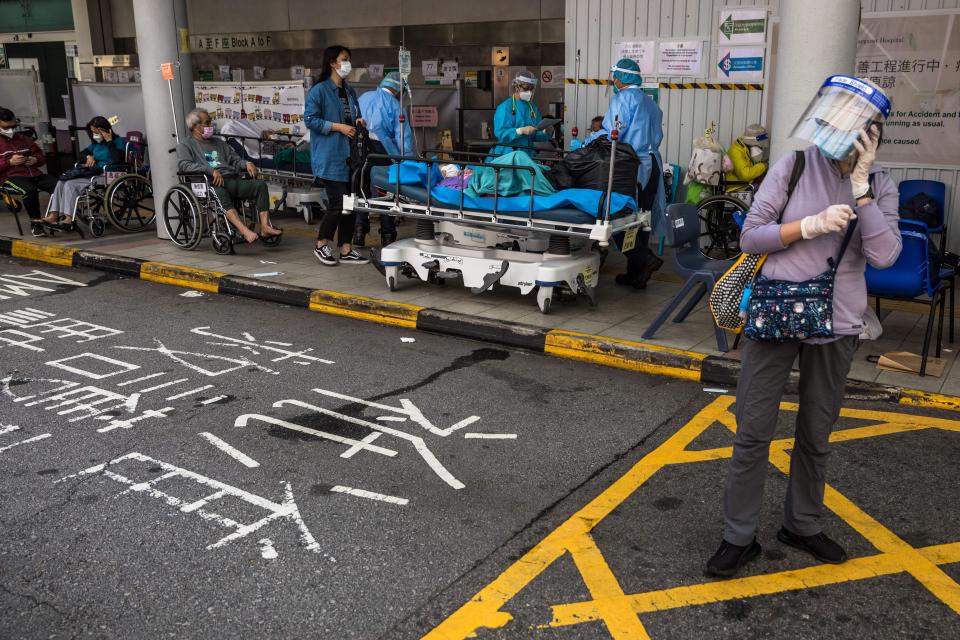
x: 620, y: 611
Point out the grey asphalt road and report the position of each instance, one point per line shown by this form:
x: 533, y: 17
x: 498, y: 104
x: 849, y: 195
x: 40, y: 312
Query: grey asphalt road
x: 201, y: 466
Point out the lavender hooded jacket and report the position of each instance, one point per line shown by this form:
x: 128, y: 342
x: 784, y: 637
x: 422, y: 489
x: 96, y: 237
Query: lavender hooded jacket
x: 876, y: 239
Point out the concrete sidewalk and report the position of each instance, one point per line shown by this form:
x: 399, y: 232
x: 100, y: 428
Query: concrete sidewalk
x: 621, y: 314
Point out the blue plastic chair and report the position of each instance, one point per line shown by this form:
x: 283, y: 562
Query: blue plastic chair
x: 909, y: 278
x: 683, y: 235
x: 938, y: 191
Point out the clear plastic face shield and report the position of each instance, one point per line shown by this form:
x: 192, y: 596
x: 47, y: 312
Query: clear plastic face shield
x: 524, y: 85
x: 841, y: 109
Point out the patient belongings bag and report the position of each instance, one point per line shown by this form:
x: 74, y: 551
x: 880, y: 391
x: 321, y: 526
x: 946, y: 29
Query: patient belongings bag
x: 706, y: 161
x: 511, y: 182
x: 589, y: 168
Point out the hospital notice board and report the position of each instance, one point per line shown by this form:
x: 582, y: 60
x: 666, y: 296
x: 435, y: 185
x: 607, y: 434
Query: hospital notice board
x: 277, y: 106
x: 915, y: 59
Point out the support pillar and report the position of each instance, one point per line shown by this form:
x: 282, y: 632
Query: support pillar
x: 818, y: 38
x: 159, y: 38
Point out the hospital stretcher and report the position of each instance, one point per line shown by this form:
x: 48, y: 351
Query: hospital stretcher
x: 291, y: 183
x: 547, y: 243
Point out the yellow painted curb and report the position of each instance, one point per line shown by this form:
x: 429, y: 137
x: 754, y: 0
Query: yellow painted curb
x: 395, y: 314
x: 181, y: 276
x: 917, y: 398
x: 623, y: 354
x: 52, y: 253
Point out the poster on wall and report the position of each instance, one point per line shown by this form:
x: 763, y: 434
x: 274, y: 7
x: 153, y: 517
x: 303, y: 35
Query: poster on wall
x: 915, y: 59
x: 740, y: 64
x: 680, y: 58
x: 643, y: 52
x: 742, y: 26
x: 274, y: 106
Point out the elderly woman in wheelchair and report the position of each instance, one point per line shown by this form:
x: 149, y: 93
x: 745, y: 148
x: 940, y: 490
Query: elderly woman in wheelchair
x: 106, y: 148
x: 201, y: 153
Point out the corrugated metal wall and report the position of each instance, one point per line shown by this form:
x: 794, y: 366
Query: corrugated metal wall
x: 593, y: 25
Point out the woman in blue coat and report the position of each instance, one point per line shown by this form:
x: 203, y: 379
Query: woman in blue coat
x: 332, y: 113
x: 516, y: 119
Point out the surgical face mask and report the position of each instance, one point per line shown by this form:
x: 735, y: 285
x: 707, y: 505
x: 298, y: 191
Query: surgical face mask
x: 208, y: 132
x: 526, y: 96
x: 344, y: 69
x: 834, y: 143
x: 7, y: 132
x: 97, y: 137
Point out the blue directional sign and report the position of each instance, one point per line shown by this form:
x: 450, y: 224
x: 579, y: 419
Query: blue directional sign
x: 728, y: 64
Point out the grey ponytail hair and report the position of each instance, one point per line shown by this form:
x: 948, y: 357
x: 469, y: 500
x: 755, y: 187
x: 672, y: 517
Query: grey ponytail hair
x: 193, y: 118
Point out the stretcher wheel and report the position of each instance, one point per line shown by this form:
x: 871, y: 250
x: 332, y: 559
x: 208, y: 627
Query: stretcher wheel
x: 130, y: 204
x: 392, y: 283
x: 544, y: 299
x: 183, y: 218
x: 221, y: 243
x: 97, y: 227
x: 271, y: 241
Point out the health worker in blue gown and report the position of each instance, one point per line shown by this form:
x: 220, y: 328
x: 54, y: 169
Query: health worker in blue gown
x: 640, y: 123
x: 381, y: 110
x: 516, y: 119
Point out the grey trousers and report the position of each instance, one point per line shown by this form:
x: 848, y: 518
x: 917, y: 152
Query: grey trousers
x: 64, y: 196
x: 764, y: 373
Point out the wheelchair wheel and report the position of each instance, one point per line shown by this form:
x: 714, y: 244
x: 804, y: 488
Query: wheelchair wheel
x: 221, y: 243
x: 97, y: 226
x: 183, y: 217
x: 719, y: 233
x: 130, y: 204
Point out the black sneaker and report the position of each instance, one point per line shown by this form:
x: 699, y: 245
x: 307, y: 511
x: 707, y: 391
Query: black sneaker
x: 627, y: 280
x: 352, y: 257
x: 37, y: 231
x: 730, y: 557
x: 325, y: 255
x: 819, y: 546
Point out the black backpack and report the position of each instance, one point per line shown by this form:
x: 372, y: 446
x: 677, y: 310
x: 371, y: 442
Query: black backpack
x: 921, y: 208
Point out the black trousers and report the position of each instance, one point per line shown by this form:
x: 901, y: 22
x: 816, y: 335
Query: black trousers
x: 32, y: 188
x: 335, y: 222
x: 637, y: 257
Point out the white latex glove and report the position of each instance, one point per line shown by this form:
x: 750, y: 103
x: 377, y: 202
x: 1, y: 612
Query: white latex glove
x: 834, y: 218
x: 526, y: 131
x: 866, y: 148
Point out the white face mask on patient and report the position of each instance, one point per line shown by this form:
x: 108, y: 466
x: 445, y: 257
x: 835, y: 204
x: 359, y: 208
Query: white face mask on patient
x: 344, y: 69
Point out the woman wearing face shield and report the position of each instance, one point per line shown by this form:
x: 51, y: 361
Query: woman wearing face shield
x: 516, y: 119
x: 640, y: 123
x: 840, y: 185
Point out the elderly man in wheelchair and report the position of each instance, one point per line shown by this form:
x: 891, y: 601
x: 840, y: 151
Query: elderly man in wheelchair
x: 201, y: 153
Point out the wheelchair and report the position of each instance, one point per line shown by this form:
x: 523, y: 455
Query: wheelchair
x: 121, y: 195
x: 192, y: 210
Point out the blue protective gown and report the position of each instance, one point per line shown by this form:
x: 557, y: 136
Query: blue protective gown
x: 381, y: 111
x: 512, y: 114
x: 641, y: 126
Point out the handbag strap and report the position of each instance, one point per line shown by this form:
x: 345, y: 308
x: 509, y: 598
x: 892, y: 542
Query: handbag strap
x: 846, y: 237
x: 799, y: 163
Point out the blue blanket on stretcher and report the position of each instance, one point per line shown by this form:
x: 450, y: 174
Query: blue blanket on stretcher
x: 585, y: 200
